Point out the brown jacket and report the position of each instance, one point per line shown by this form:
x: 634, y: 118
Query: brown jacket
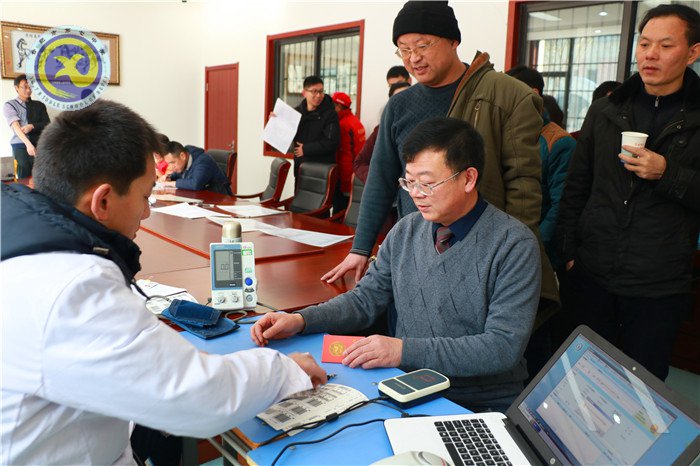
x: 507, y: 114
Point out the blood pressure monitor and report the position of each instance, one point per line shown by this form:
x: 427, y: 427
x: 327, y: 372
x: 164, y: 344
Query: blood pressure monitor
x: 233, y: 282
x: 414, y: 388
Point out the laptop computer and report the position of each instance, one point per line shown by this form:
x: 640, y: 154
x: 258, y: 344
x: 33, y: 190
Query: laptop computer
x: 590, y: 404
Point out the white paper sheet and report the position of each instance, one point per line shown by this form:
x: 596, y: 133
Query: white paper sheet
x: 247, y: 224
x: 280, y: 129
x: 249, y: 210
x: 155, y: 291
x: 187, y: 211
x: 312, y: 238
x: 174, y: 198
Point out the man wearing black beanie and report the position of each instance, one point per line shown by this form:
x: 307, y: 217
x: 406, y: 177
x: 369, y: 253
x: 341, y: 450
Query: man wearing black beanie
x: 503, y: 110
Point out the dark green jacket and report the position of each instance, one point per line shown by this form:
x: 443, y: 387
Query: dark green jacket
x: 507, y: 114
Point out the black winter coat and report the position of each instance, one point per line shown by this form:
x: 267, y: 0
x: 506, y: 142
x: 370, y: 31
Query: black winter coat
x: 319, y: 131
x: 635, y: 237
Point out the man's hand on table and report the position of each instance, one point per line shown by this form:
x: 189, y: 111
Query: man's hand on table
x: 276, y: 326
x: 374, y: 351
x: 352, y: 261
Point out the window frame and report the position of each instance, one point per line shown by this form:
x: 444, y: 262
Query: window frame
x: 274, y: 43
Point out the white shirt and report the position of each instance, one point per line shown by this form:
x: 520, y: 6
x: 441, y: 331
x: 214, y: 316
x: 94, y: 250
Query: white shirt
x: 81, y: 356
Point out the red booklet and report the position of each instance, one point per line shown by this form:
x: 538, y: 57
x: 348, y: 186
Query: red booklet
x: 334, y: 345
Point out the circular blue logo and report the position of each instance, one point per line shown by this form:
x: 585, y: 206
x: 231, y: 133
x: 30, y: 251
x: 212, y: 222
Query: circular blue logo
x: 68, y: 68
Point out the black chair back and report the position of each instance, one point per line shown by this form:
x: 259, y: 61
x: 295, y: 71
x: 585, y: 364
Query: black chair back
x: 225, y: 160
x: 315, y: 187
x: 279, y: 168
x: 352, y: 213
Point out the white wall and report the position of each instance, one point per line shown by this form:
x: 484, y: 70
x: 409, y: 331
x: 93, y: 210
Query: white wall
x: 166, y: 45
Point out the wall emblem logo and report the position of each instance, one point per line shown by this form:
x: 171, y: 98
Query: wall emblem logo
x: 68, y: 68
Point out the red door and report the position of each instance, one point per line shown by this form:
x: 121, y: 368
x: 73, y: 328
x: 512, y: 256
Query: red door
x: 221, y: 110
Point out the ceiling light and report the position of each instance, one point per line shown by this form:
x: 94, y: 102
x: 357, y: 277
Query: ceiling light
x: 603, y: 13
x: 597, y: 31
x: 544, y: 16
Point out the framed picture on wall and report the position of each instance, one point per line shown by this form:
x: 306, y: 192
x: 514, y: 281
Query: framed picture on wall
x: 18, y: 39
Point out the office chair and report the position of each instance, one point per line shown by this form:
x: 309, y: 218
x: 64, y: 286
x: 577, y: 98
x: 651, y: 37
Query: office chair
x: 314, y: 192
x: 225, y: 160
x: 350, y: 214
x: 279, y: 168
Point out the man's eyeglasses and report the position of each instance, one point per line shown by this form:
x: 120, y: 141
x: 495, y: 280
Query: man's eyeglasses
x: 315, y: 91
x: 424, y: 188
x: 419, y: 50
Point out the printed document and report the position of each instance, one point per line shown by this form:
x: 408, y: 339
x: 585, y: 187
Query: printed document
x: 250, y: 210
x: 280, y: 129
x: 310, y: 406
x: 187, y: 211
x: 247, y: 224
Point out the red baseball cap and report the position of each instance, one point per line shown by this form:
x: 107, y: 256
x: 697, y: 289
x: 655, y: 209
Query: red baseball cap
x: 342, y: 99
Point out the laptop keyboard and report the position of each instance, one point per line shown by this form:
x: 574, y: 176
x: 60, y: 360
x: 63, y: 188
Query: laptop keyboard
x: 470, y: 443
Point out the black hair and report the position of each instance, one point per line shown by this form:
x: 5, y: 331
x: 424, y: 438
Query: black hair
x: 398, y: 71
x: 689, y: 15
x: 396, y: 86
x: 605, y: 88
x: 164, y: 140
x: 103, y: 143
x: 312, y: 80
x: 461, y: 143
x: 18, y: 80
x: 174, y: 148
x: 553, y: 110
x: 529, y: 76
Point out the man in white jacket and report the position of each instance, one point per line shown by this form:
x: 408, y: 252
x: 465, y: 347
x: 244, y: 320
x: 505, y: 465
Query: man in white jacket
x: 81, y: 355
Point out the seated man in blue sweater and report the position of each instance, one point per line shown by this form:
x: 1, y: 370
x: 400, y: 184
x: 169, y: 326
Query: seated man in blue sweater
x: 192, y: 168
x: 464, y: 276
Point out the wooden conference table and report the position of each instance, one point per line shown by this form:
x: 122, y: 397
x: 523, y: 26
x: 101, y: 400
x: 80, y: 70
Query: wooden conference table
x: 175, y: 251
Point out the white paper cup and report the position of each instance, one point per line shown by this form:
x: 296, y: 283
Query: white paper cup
x: 632, y: 138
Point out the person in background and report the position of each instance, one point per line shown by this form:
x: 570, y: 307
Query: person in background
x: 628, y: 224
x: 84, y: 358
x: 192, y: 168
x: 605, y: 89
x: 161, y: 163
x: 27, y: 118
x: 352, y: 138
x: 361, y: 163
x: 318, y: 135
x: 397, y: 74
x: 556, y: 148
x: 464, y: 277
x: 503, y: 110
x: 553, y: 110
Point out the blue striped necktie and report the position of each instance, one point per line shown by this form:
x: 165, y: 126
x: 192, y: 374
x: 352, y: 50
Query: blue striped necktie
x: 442, y: 239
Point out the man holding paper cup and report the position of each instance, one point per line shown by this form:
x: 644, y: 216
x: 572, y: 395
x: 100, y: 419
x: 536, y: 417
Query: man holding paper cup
x: 628, y: 231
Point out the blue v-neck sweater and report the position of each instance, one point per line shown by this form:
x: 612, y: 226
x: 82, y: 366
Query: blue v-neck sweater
x: 466, y: 313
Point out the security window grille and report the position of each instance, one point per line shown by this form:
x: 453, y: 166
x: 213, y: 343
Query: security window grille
x: 334, y: 57
x: 578, y: 46
x: 575, y: 49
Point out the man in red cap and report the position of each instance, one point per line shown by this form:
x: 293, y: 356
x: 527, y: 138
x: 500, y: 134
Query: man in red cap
x: 352, y: 138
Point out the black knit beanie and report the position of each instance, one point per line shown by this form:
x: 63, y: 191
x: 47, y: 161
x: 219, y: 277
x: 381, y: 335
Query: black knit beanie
x: 427, y: 17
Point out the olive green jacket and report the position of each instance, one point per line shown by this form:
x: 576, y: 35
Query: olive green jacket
x: 507, y: 114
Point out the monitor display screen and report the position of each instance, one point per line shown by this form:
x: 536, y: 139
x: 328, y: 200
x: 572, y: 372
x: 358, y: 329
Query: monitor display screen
x: 589, y: 409
x: 228, y: 270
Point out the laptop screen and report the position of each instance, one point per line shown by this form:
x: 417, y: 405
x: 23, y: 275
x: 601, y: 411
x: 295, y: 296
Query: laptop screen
x: 589, y: 409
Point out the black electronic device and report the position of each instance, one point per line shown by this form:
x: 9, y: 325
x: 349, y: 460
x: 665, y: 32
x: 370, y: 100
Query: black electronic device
x: 414, y: 387
x: 190, y: 313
